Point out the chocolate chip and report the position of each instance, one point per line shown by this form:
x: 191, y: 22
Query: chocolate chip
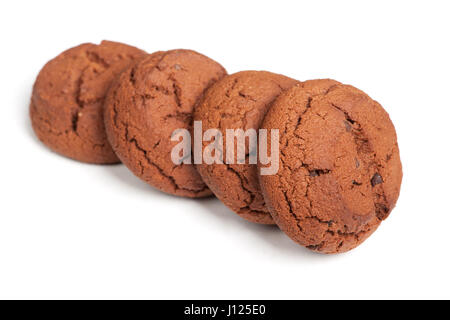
x: 313, y: 173
x: 348, y: 125
x: 315, y: 246
x: 318, y: 172
x: 382, y: 211
x: 376, y: 179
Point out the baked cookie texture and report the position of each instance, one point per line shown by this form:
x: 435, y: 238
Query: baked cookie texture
x: 146, y: 104
x: 66, y: 107
x: 239, y: 101
x: 340, y: 171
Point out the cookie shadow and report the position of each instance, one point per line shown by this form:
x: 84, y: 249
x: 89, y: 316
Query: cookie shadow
x: 123, y: 175
x: 269, y: 235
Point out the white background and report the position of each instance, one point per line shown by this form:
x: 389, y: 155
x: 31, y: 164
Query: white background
x: 72, y: 230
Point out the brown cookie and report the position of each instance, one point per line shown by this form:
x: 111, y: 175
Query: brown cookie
x: 66, y: 107
x: 340, y: 169
x: 147, y: 103
x: 238, y: 101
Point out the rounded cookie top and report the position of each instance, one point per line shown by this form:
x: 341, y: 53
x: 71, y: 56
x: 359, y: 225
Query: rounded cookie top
x: 340, y: 171
x: 66, y: 106
x: 148, y: 102
x: 238, y: 101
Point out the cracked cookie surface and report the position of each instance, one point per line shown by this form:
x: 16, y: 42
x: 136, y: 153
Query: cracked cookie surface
x: 66, y: 106
x: 340, y: 171
x: 146, y: 104
x: 239, y: 101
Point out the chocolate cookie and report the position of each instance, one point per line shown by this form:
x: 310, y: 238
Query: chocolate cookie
x: 68, y: 95
x: 340, y: 169
x: 147, y: 104
x: 238, y: 101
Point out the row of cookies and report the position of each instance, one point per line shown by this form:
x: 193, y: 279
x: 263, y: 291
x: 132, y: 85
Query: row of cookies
x: 339, y: 168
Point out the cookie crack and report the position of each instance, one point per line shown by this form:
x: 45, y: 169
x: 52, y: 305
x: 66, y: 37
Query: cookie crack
x: 241, y: 180
x: 363, y: 146
x: 312, y: 173
x: 144, y: 152
x: 159, y: 169
x: 176, y: 89
x: 95, y: 58
x: 79, y: 102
